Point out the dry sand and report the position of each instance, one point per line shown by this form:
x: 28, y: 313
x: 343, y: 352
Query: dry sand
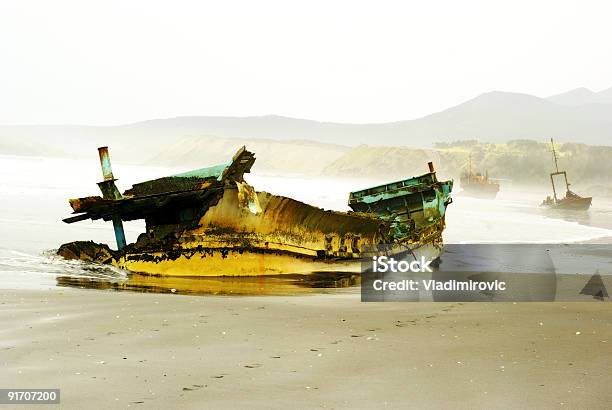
x: 107, y: 349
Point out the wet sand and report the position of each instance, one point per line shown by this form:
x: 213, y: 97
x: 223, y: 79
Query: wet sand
x: 107, y: 349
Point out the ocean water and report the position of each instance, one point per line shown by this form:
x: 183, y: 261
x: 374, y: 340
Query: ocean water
x: 35, y: 192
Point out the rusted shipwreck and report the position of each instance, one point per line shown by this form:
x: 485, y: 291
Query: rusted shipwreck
x: 210, y: 222
x: 571, y: 200
x: 478, y: 185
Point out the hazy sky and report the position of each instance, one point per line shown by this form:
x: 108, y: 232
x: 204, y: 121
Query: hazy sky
x: 111, y: 62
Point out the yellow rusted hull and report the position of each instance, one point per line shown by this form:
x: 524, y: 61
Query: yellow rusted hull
x: 276, y: 236
x: 234, y: 263
x: 282, y: 237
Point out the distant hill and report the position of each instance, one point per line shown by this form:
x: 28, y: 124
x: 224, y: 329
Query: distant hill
x: 492, y: 117
x: 286, y: 157
x: 502, y: 116
x: 522, y: 162
x: 582, y: 96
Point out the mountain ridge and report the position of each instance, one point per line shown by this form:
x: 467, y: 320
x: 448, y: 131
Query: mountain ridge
x: 582, y: 96
x: 496, y: 117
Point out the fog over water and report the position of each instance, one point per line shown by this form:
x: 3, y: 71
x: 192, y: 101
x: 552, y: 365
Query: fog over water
x: 35, y: 194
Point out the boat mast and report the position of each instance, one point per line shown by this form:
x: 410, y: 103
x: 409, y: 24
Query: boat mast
x: 557, y: 172
x: 552, y: 180
x: 552, y: 144
x: 554, y: 152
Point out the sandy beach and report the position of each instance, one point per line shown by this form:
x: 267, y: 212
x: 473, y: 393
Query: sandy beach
x: 125, y: 349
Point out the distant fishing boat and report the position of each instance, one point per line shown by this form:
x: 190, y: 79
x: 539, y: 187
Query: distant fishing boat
x: 477, y: 184
x: 571, y: 200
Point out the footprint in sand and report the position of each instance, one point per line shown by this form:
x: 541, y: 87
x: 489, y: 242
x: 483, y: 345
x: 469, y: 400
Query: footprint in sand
x: 194, y: 387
